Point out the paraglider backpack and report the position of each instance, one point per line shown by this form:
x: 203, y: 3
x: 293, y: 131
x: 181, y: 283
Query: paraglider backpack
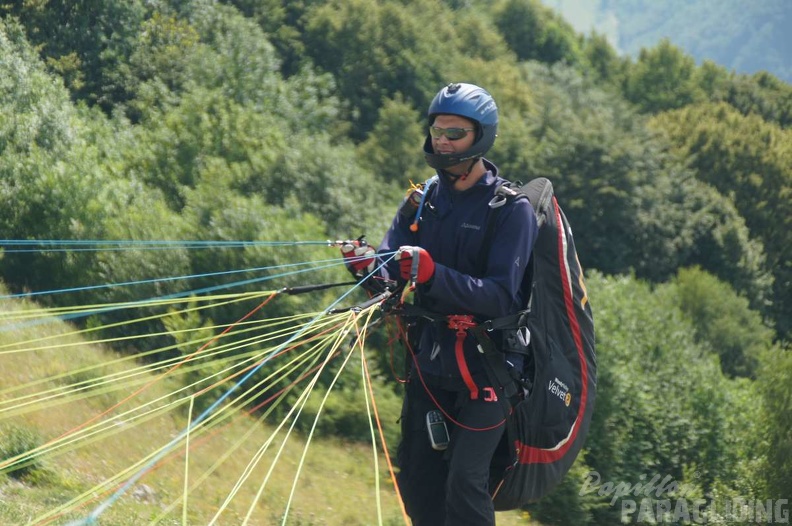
x: 548, y: 423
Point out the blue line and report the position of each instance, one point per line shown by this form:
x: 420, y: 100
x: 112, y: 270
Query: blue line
x: 134, y: 243
x: 182, y: 294
x: 157, y: 280
x: 169, y: 296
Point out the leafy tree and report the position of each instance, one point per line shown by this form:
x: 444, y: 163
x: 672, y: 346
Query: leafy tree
x: 743, y: 37
x: 663, y: 78
x: 46, y: 168
x: 36, y: 109
x: 748, y: 158
x: 662, y: 404
x: 158, y: 69
x: 327, y: 182
x: 207, y: 125
x: 713, y: 79
x: 376, y: 50
x: 392, y: 150
x: 284, y: 23
x: 723, y: 321
x: 534, y: 32
x: 85, y: 42
x: 634, y: 206
x: 603, y: 61
x: 684, y: 222
x: 760, y: 94
x: 773, y: 382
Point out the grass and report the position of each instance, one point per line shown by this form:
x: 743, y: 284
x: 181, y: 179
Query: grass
x: 337, y: 484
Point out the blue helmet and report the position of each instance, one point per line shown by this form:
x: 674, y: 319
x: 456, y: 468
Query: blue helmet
x: 473, y: 103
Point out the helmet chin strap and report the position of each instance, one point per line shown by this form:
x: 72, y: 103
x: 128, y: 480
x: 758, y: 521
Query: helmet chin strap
x: 453, y: 178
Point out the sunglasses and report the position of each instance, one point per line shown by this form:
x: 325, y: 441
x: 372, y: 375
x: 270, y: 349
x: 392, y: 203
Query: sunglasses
x: 453, y: 134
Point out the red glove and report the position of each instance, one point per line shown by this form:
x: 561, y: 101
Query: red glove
x: 358, y: 257
x: 415, y: 263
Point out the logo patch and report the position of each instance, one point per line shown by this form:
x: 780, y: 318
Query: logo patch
x: 560, y: 389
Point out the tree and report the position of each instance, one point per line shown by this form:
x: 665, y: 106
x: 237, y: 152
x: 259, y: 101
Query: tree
x: 749, y: 159
x: 663, y: 407
x: 634, y: 206
x: 35, y: 107
x: 760, y: 94
x: 85, y: 41
x: 392, y: 150
x: 773, y: 381
x: 603, y: 61
x: 534, y: 32
x: 377, y: 49
x: 662, y: 79
x: 723, y: 321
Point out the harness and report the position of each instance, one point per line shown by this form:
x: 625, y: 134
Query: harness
x: 512, y: 329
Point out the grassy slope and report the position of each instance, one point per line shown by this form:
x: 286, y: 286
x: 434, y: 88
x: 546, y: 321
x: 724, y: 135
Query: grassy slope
x: 337, y: 484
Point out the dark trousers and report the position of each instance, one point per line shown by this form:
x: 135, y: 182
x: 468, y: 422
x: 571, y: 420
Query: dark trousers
x: 448, y: 487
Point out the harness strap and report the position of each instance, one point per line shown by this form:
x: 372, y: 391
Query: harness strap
x: 494, y: 362
x: 494, y: 359
x: 512, y: 321
x: 462, y: 323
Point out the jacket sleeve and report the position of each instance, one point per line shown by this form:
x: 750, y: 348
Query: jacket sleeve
x: 497, y: 292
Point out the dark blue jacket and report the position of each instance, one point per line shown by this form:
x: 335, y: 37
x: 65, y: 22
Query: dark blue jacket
x: 452, y: 229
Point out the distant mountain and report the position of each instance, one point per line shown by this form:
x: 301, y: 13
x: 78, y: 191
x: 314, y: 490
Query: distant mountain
x: 742, y: 35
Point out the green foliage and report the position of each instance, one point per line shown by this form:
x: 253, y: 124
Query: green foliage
x: 773, y: 383
x: 158, y: 69
x: 570, y: 502
x: 301, y: 121
x: 694, y: 224
x: 535, y: 32
x: 723, y: 321
x: 376, y: 50
x: 192, y: 333
x: 632, y: 205
x: 36, y: 110
x: 745, y: 37
x: 344, y: 413
x: 393, y: 150
x: 87, y: 42
x: 207, y: 129
x: 760, y: 94
x: 603, y: 61
x: 15, y: 443
x: 664, y: 78
x: 747, y: 159
x: 662, y: 405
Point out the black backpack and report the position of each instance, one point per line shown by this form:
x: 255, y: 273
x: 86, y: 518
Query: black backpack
x: 547, y: 427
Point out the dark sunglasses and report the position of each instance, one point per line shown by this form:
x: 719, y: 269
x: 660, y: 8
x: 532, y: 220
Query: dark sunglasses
x: 453, y: 134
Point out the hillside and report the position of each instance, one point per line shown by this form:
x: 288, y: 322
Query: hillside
x: 335, y: 488
x: 746, y: 37
x: 47, y: 392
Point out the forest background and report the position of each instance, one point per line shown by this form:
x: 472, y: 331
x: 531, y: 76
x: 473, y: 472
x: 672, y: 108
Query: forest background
x: 268, y: 120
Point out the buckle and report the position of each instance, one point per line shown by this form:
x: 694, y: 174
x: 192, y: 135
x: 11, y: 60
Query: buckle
x: 524, y: 336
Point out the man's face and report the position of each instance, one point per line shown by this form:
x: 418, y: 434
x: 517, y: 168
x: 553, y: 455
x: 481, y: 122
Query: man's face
x: 444, y: 145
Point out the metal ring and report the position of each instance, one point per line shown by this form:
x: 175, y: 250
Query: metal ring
x: 497, y: 201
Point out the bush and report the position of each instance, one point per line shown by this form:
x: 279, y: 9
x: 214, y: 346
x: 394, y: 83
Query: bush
x: 16, y: 443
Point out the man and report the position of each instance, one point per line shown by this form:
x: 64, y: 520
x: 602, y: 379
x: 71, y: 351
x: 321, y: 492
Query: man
x: 463, y: 279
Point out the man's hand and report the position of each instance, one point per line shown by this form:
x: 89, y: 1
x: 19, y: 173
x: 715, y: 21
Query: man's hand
x: 415, y: 264
x: 359, y: 257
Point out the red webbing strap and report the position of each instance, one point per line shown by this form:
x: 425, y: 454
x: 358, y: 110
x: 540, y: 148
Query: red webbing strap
x: 461, y: 323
